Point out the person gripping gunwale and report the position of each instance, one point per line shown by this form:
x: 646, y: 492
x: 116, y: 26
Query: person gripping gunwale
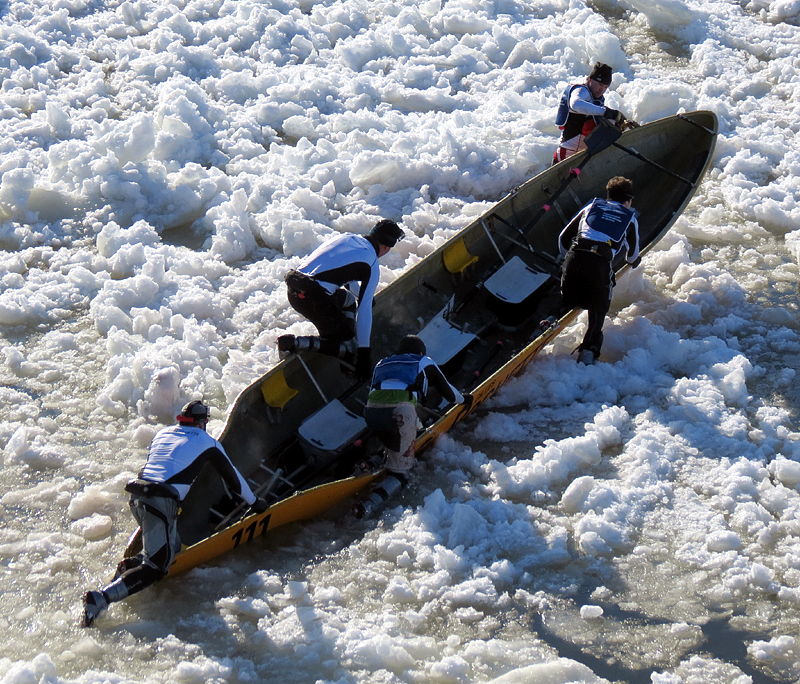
x: 176, y: 456
x: 589, y: 244
x: 399, y: 383
x: 581, y: 105
x: 334, y: 287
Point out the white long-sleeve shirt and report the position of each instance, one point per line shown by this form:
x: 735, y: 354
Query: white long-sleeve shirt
x: 178, y: 453
x: 342, y: 262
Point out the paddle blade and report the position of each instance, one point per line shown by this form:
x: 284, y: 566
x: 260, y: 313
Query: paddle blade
x: 601, y: 138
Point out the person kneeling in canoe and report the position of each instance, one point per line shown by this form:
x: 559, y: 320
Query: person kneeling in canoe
x: 322, y: 289
x: 590, y: 243
x: 400, y: 382
x: 177, y: 454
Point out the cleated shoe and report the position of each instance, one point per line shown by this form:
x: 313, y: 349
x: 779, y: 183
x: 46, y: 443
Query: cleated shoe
x: 587, y: 357
x: 286, y: 345
x: 94, y: 603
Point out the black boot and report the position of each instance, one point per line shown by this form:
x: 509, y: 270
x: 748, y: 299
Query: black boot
x: 94, y: 603
x: 286, y: 344
x: 588, y: 355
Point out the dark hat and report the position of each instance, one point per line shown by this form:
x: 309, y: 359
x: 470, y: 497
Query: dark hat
x: 411, y: 344
x: 387, y: 232
x: 601, y: 73
x: 194, y: 412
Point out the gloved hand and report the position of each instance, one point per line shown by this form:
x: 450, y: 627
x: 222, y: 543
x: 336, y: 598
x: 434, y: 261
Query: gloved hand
x: 469, y: 400
x: 364, y: 363
x: 636, y: 263
x: 614, y: 115
x: 259, y: 505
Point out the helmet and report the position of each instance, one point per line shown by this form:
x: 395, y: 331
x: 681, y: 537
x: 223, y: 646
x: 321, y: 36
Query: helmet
x: 386, y: 232
x: 194, y: 412
x: 411, y: 344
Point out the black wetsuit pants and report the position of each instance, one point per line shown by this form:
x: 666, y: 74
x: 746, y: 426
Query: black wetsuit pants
x: 157, y: 517
x: 587, y: 282
x: 332, y: 314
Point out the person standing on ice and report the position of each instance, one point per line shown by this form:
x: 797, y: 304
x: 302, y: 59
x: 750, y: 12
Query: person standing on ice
x: 323, y: 289
x: 590, y: 243
x: 581, y: 107
x: 177, y: 454
x: 399, y: 383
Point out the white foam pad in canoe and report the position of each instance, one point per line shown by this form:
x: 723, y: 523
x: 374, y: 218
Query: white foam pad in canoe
x: 515, y: 281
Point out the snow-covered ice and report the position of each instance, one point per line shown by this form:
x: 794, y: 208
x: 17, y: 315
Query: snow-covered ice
x: 164, y: 162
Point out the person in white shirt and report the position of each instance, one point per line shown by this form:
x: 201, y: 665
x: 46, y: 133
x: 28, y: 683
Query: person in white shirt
x: 590, y: 243
x: 177, y: 454
x: 579, y: 110
x: 333, y: 287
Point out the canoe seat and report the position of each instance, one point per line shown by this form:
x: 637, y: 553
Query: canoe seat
x: 444, y: 340
x: 457, y: 257
x: 515, y: 291
x: 276, y: 390
x: 515, y: 281
x: 331, y: 430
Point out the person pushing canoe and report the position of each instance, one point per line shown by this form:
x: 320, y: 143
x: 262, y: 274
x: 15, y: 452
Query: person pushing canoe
x: 399, y: 384
x: 323, y: 289
x: 590, y: 243
x: 177, y: 454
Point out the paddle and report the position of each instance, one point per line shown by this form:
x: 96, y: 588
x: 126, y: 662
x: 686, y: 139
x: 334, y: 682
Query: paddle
x: 601, y: 138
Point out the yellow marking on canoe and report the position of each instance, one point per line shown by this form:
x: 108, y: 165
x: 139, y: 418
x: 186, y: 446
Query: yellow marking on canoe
x: 299, y: 506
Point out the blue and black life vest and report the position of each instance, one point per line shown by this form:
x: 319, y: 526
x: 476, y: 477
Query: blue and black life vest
x: 400, y: 372
x: 572, y: 122
x: 609, y: 218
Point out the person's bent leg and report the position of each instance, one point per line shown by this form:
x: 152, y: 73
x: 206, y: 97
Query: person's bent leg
x: 337, y: 329
x: 380, y: 420
x: 398, y: 431
x: 157, y: 516
x: 403, y: 459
